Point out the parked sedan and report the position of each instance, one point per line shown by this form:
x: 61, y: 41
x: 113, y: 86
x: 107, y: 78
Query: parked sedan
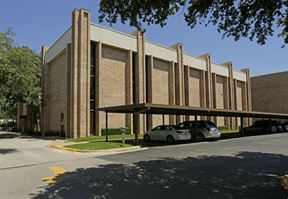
x: 167, y: 133
x: 285, y: 126
x: 206, y: 129
x: 275, y: 123
x: 262, y: 126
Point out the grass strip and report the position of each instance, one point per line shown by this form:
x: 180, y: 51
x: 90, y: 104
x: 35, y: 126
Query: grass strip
x: 99, y: 145
x: 229, y: 131
x: 95, y: 138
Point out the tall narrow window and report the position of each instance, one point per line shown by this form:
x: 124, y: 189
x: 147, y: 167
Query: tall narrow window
x: 147, y: 78
x: 92, y: 87
x: 62, y: 133
x: 134, y: 77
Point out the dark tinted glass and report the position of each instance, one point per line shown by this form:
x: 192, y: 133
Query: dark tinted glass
x: 157, y: 128
x: 211, y: 125
x: 180, y: 126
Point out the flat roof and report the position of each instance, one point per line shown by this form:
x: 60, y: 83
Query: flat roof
x: 148, y: 108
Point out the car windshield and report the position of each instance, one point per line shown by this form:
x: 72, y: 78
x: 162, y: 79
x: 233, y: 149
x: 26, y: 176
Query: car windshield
x: 164, y: 127
x: 211, y: 125
x: 157, y: 128
x: 172, y: 126
x: 179, y: 126
x: 168, y: 127
x: 267, y: 122
x: 255, y: 125
x: 192, y: 124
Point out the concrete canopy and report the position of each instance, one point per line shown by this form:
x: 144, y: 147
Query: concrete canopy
x: 147, y: 108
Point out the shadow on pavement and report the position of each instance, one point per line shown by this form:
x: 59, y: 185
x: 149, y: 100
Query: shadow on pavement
x: 245, y: 175
x: 33, y: 137
x: 143, y: 143
x: 5, y: 135
x: 6, y: 151
x: 8, y: 135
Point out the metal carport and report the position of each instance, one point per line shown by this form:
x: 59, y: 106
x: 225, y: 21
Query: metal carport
x: 160, y: 109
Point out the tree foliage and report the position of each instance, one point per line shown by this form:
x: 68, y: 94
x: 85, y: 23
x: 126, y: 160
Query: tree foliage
x: 19, y: 75
x: 255, y: 19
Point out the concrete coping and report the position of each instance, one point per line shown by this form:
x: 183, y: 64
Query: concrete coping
x: 61, y: 145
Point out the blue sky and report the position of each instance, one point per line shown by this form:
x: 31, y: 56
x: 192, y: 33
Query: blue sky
x: 38, y: 23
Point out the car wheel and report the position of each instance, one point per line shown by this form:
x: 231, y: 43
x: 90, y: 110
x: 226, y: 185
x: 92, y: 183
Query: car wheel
x: 170, y: 139
x: 146, y: 138
x: 201, y: 137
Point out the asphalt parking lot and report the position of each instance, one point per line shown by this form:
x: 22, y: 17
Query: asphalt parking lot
x: 248, y: 167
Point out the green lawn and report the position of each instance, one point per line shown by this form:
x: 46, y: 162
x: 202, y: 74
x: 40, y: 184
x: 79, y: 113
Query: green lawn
x: 93, y: 138
x: 229, y: 131
x: 130, y: 136
x: 99, y: 145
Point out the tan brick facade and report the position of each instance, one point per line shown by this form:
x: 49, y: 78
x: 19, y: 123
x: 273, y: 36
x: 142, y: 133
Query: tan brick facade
x: 54, y: 86
x: 112, y: 87
x: 127, y: 69
x: 160, y: 91
x: 270, y: 93
x: 58, y: 91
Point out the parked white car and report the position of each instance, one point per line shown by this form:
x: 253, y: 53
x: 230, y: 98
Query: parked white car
x: 206, y: 129
x: 167, y: 133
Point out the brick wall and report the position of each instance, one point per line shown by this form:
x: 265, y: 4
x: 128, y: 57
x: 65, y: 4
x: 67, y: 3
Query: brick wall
x: 220, y: 92
x: 160, y: 87
x: 270, y: 93
x: 239, y: 95
x: 112, y: 84
x: 56, y: 92
x: 194, y: 88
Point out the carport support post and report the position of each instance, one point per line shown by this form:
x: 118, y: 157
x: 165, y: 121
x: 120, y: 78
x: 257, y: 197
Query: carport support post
x: 241, y: 127
x: 270, y: 125
x: 163, y: 119
x: 106, y: 131
x: 135, y: 126
x: 196, y: 128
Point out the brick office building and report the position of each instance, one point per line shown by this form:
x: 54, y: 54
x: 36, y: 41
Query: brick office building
x: 91, y: 66
x: 270, y: 92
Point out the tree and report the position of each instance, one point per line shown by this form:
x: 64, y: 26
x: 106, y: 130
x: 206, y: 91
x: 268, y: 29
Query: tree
x: 19, y: 75
x: 255, y: 19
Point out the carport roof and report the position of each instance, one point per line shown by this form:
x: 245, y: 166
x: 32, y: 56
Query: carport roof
x: 147, y: 108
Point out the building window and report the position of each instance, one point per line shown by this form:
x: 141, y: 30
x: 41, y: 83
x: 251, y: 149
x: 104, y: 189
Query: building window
x: 147, y: 78
x: 62, y: 133
x: 92, y: 87
x: 134, y: 58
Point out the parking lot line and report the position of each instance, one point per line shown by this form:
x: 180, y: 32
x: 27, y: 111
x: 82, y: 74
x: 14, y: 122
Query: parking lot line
x: 56, y: 172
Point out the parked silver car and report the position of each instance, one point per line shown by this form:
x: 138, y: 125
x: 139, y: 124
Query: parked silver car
x: 167, y: 133
x: 206, y: 129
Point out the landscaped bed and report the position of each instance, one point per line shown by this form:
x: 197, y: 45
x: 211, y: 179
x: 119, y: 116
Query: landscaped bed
x: 99, y: 145
x: 229, y: 131
x: 95, y: 138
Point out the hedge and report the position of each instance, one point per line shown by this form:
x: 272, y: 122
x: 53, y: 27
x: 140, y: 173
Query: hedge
x: 221, y: 128
x: 115, y: 131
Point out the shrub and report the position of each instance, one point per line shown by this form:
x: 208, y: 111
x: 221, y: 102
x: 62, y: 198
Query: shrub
x: 115, y: 131
x: 8, y: 126
x: 221, y: 128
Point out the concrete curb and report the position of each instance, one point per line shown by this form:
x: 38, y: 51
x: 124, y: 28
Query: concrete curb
x: 53, y: 146
x: 99, y: 152
x: 5, y: 135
